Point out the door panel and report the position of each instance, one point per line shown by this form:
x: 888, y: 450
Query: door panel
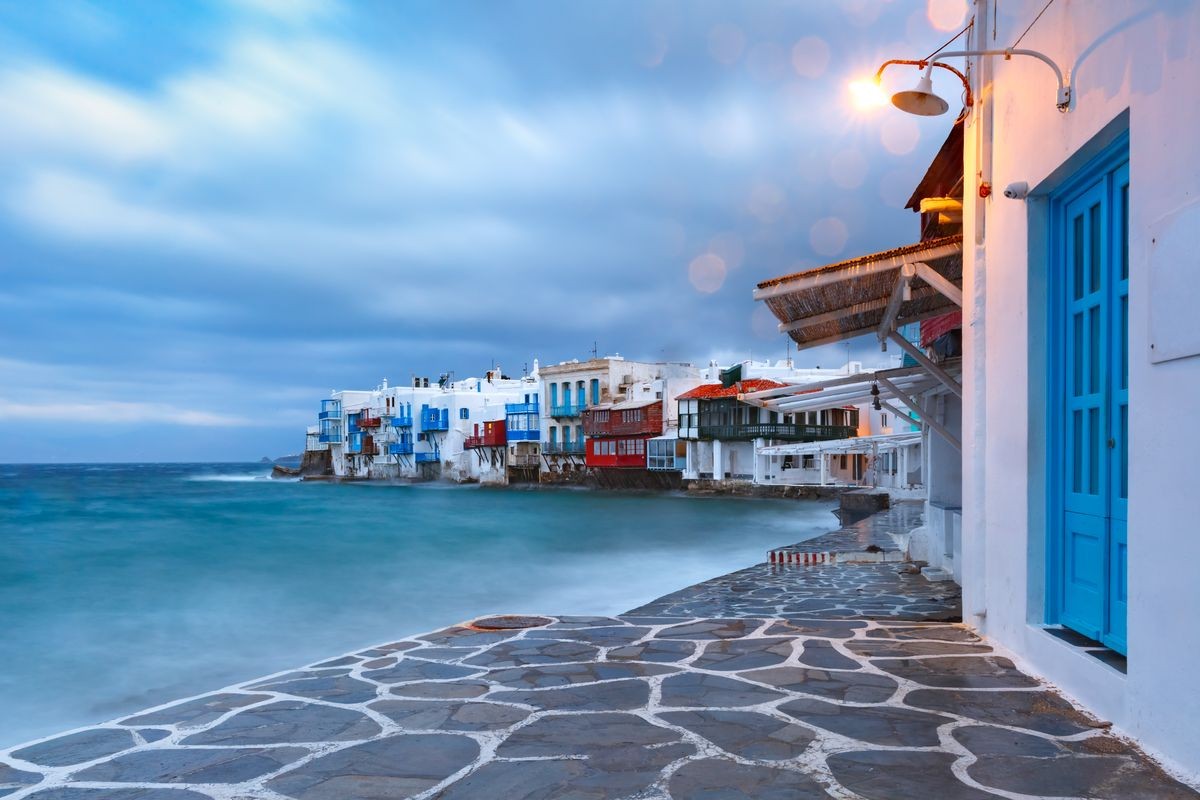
x: 1083, y: 573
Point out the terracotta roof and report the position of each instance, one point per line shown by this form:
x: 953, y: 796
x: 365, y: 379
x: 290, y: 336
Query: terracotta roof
x: 623, y: 405
x: 711, y: 391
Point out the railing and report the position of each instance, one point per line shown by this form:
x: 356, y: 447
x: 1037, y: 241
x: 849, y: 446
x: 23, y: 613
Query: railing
x: 335, y: 414
x: 567, y: 410
x: 402, y: 420
x: 365, y: 420
x: 400, y: 449
x: 428, y: 458
x: 493, y: 439
x: 330, y: 438
x: 667, y: 463
x: 519, y: 435
x: 777, y: 430
x: 615, y: 427
x: 563, y: 448
x: 521, y: 408
x: 524, y: 460
x: 434, y: 420
x: 330, y: 409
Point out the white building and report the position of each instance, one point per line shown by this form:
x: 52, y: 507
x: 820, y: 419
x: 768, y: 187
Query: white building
x: 1077, y: 278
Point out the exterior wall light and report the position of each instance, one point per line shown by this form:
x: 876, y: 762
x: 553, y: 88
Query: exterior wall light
x: 922, y: 101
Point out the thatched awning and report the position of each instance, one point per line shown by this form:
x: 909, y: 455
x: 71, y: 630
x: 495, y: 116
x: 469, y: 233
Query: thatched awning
x: 867, y: 294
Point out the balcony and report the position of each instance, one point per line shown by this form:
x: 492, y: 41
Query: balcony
x: 521, y: 408
x: 400, y: 449
x: 526, y: 460
x: 565, y: 411
x: 402, y: 419
x: 330, y: 409
x: 435, y: 419
x: 333, y: 437
x: 776, y: 430
x: 492, y: 436
x: 365, y: 420
x: 563, y: 448
x: 360, y: 444
x: 428, y: 458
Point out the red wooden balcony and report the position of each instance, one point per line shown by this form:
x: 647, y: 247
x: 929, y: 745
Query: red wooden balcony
x: 625, y: 419
x: 367, y: 421
x: 491, y: 435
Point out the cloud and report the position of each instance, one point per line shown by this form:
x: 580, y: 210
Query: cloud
x: 117, y: 413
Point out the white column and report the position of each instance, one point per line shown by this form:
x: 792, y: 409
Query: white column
x: 821, y: 458
x: 718, y: 468
x: 758, y: 459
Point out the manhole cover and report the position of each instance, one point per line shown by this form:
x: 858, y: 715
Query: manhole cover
x: 509, y: 622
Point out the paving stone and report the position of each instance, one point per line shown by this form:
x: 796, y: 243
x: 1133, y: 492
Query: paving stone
x: 76, y: 748
x: 737, y: 654
x: 745, y: 733
x: 882, y: 725
x: 850, y: 687
x: 200, y: 711
x: 886, y: 648
x: 578, y: 621
x: 901, y: 775
x: 524, y: 652
x: 607, y: 696
x: 80, y: 793
x: 944, y: 633
x: 384, y: 769
x: 818, y: 653
x: 300, y: 675
x: 567, y: 674
x: 13, y: 779
x: 825, y: 628
x: 410, y: 669
x: 659, y: 650
x: 712, y: 691
x: 191, y: 765
x: 396, y: 647
x: 333, y: 689
x: 446, y: 715
x: 455, y: 690
x: 711, y: 629
x: 1038, y: 711
x: 380, y: 663
x: 288, y: 722
x: 441, y: 653
x: 718, y: 779
x: 459, y: 636
x: 344, y: 661
x: 958, y: 672
x: 613, y: 636
x: 153, y: 734
x: 582, y: 734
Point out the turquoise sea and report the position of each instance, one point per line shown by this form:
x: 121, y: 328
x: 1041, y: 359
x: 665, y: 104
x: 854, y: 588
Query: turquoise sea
x: 124, y: 586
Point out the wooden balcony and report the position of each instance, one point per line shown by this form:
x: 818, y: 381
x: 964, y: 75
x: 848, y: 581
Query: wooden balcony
x: 776, y: 430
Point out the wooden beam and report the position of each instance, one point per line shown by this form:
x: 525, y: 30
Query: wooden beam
x: 925, y: 362
x: 814, y: 279
x: 940, y: 282
x: 950, y: 438
x: 841, y: 337
x: 894, y: 302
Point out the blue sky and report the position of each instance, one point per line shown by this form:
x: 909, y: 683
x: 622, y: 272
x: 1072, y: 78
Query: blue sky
x: 213, y: 213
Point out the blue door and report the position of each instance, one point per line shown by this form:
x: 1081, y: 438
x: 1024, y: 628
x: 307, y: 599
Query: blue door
x: 1089, y: 368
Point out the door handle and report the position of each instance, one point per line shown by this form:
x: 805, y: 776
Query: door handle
x: 1112, y: 443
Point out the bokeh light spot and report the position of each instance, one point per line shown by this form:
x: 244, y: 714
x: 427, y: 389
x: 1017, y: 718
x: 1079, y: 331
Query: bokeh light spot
x: 706, y: 273
x: 729, y: 248
x: 726, y: 42
x: 946, y: 15
x: 810, y: 56
x: 900, y: 134
x: 828, y: 236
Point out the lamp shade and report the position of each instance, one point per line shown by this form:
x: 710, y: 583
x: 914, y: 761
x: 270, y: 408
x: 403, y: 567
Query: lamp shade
x: 921, y: 100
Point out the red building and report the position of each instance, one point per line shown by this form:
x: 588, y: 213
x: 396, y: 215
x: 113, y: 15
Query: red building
x: 487, y: 434
x: 617, y: 433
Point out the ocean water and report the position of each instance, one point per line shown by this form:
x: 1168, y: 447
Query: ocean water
x: 125, y: 586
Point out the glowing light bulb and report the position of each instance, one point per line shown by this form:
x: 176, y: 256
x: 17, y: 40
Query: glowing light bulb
x: 867, y: 95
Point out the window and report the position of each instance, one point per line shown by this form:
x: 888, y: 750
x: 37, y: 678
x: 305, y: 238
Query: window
x: 553, y: 394
x: 842, y: 461
x: 883, y: 420
x: 464, y: 413
x: 809, y: 461
x: 553, y: 434
x: 595, y: 391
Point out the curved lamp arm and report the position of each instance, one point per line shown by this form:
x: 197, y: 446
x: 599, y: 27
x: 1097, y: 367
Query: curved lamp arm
x: 1062, y: 99
x: 968, y: 100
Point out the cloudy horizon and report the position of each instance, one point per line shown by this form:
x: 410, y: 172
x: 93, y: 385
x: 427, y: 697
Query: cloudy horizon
x: 215, y: 213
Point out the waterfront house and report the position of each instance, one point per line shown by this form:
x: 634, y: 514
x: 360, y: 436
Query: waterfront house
x: 523, y: 435
x: 1076, y: 277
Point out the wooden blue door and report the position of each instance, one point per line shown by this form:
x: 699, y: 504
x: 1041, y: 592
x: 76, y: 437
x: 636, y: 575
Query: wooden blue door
x: 1089, y: 365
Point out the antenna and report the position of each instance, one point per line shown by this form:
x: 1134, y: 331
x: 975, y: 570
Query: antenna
x: 595, y: 351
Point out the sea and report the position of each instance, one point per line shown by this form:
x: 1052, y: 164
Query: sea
x: 124, y: 586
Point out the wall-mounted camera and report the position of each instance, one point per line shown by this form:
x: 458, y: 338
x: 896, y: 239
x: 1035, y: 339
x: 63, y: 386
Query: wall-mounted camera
x: 1017, y: 191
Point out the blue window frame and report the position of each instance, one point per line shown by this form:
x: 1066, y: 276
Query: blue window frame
x: 464, y: 413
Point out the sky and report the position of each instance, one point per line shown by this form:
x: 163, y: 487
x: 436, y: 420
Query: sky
x: 213, y: 214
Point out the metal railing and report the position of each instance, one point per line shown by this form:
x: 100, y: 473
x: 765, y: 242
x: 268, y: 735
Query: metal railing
x: 563, y: 448
x: 776, y: 430
x: 400, y: 449
x: 567, y: 410
x: 521, y: 408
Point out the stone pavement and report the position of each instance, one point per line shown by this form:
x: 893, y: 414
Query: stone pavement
x: 782, y: 683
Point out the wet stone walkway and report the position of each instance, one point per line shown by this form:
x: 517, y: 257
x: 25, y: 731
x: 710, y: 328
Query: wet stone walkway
x: 782, y: 683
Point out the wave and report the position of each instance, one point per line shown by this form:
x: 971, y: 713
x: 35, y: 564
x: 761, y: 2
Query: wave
x: 230, y: 477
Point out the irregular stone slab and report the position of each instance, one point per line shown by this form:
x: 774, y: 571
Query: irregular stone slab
x: 959, y: 672
x: 334, y: 689
x: 607, y: 696
x: 886, y: 648
x: 191, y: 765
x: 737, y: 654
x: 943, y: 633
x: 77, y: 748
x: 380, y: 663
x: 344, y: 661
x: 13, y: 779
x: 745, y: 733
x: 288, y: 722
x: 619, y: 772
x: 613, y: 636
x: 696, y: 689
x: 298, y: 675
x: 851, y: 687
x: 78, y: 793
x: 200, y: 711
x: 712, y: 629
x: 578, y: 621
x: 819, y: 653
x: 449, y: 715
x: 659, y: 650
x: 882, y: 725
x: 435, y: 654
x: 1038, y: 711
x: 455, y: 690
x: 582, y: 734
x: 410, y: 669
x: 396, y: 647
x: 823, y: 628
x: 153, y: 734
x: 901, y: 775
x: 384, y: 769
x: 524, y: 652
x: 460, y: 636
x: 567, y: 674
x: 718, y: 779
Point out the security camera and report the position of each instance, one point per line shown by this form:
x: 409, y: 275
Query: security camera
x: 1017, y: 191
